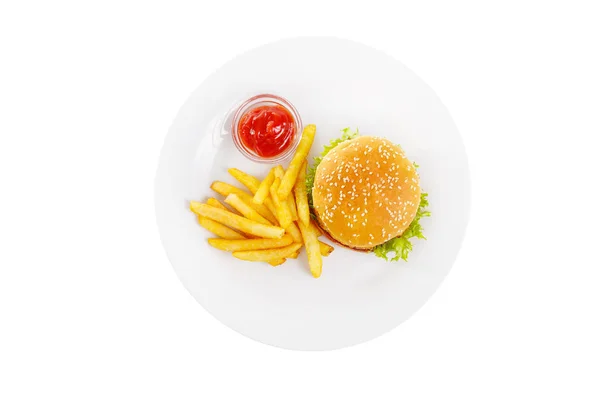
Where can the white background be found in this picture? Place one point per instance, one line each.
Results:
(89, 305)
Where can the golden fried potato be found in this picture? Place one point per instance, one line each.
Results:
(323, 247)
(225, 189)
(250, 244)
(276, 263)
(293, 210)
(295, 255)
(301, 195)
(279, 172)
(267, 255)
(313, 250)
(251, 182)
(313, 226)
(291, 174)
(294, 232)
(219, 229)
(263, 189)
(238, 222)
(216, 203)
(246, 210)
(283, 211)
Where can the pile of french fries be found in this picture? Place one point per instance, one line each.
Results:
(270, 221)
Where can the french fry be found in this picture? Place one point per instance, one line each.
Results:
(215, 203)
(295, 255)
(194, 204)
(245, 179)
(301, 195)
(279, 171)
(276, 263)
(211, 202)
(267, 255)
(250, 244)
(287, 209)
(323, 247)
(251, 183)
(294, 232)
(262, 209)
(263, 189)
(291, 174)
(313, 250)
(283, 210)
(292, 229)
(315, 228)
(292, 204)
(218, 229)
(271, 207)
(225, 189)
(246, 210)
(268, 203)
(237, 222)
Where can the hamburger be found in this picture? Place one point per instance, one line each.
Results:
(365, 195)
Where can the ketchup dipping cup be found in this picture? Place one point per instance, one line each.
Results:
(266, 128)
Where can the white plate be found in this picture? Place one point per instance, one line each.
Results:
(334, 84)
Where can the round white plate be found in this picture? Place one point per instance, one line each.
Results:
(334, 84)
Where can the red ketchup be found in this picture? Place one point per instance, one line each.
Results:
(267, 131)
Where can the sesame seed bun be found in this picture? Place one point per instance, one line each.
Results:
(365, 192)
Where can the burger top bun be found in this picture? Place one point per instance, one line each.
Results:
(365, 192)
